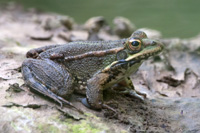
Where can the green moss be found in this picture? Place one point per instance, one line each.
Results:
(83, 127)
(48, 128)
(14, 126)
(92, 124)
(123, 131)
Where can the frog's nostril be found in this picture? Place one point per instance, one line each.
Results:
(154, 43)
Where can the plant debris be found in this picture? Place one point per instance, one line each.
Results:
(14, 88)
(33, 106)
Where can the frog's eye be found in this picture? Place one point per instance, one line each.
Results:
(134, 44)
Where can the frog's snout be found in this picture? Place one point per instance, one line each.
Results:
(149, 42)
(159, 44)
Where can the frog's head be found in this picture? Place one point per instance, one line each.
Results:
(136, 49)
(139, 47)
(128, 58)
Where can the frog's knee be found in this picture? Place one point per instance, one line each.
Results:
(27, 62)
(26, 72)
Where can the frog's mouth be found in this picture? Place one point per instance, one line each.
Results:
(139, 57)
(145, 53)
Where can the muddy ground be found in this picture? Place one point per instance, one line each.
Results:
(170, 80)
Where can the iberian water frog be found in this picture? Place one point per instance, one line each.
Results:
(89, 67)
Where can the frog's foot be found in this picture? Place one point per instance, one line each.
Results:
(134, 93)
(126, 87)
(85, 103)
(105, 106)
(49, 79)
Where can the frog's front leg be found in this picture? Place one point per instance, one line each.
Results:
(130, 89)
(94, 92)
(48, 78)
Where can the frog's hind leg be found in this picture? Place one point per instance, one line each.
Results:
(48, 78)
(130, 89)
(34, 53)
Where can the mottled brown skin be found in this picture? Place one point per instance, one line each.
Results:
(87, 67)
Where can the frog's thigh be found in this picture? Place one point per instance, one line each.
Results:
(48, 78)
(129, 89)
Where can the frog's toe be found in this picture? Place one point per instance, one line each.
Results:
(135, 94)
(105, 106)
(85, 103)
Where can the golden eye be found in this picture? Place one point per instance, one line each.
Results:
(134, 44)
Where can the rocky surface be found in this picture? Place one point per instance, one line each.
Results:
(170, 80)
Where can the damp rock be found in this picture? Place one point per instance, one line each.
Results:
(74, 36)
(57, 21)
(123, 27)
(41, 35)
(95, 23)
(67, 21)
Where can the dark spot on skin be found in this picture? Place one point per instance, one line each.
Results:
(88, 75)
(100, 61)
(125, 66)
(111, 76)
(75, 78)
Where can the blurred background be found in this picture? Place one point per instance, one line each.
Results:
(177, 18)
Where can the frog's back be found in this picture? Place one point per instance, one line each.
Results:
(87, 66)
(80, 47)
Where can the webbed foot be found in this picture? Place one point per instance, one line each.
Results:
(85, 103)
(126, 87)
(135, 94)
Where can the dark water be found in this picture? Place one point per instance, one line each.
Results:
(174, 18)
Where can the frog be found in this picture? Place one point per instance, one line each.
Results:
(88, 67)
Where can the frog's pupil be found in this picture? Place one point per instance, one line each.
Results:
(135, 43)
